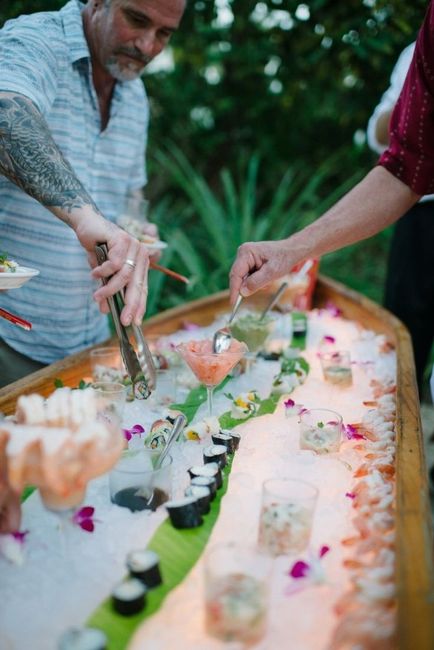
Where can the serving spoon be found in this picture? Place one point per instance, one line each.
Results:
(274, 300)
(222, 338)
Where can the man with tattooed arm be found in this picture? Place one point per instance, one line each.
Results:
(73, 124)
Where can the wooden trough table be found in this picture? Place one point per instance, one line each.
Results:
(415, 565)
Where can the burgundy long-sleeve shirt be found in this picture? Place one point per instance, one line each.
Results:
(410, 156)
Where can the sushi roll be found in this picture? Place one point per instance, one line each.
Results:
(208, 482)
(224, 439)
(215, 454)
(210, 469)
(158, 435)
(144, 565)
(236, 437)
(129, 597)
(83, 638)
(203, 495)
(184, 513)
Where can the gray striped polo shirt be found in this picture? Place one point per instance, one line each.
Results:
(45, 57)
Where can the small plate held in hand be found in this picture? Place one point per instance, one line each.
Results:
(16, 279)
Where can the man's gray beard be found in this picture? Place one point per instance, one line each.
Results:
(127, 72)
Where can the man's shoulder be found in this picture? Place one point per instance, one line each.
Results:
(41, 27)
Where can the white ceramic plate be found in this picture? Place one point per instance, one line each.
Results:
(157, 245)
(15, 280)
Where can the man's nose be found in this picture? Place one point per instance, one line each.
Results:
(147, 43)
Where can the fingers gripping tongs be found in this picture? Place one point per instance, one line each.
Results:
(140, 366)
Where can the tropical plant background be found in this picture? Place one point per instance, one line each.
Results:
(258, 125)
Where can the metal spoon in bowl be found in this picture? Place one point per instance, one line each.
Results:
(222, 338)
(178, 425)
(147, 491)
(274, 299)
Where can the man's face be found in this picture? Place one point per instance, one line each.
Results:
(128, 34)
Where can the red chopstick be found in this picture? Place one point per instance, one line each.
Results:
(16, 320)
(169, 272)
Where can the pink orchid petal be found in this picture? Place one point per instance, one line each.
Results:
(137, 428)
(351, 433)
(328, 339)
(127, 434)
(87, 525)
(289, 403)
(350, 495)
(190, 327)
(20, 536)
(323, 550)
(303, 410)
(86, 512)
(333, 310)
(299, 570)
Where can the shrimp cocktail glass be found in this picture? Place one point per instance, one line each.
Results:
(209, 367)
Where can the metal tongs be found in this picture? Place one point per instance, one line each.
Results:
(139, 365)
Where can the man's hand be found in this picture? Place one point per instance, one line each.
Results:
(127, 265)
(257, 264)
(10, 510)
(31, 159)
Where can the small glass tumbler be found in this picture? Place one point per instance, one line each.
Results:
(111, 398)
(136, 484)
(134, 216)
(287, 510)
(106, 364)
(166, 387)
(321, 430)
(336, 368)
(236, 593)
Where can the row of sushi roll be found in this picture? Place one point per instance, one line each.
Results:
(129, 596)
(368, 611)
(205, 480)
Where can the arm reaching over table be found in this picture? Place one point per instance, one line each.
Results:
(30, 158)
(404, 174)
(376, 202)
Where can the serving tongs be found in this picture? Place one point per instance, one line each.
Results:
(139, 366)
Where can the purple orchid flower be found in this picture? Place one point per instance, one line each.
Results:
(189, 326)
(333, 310)
(136, 429)
(352, 434)
(328, 339)
(20, 536)
(291, 408)
(84, 518)
(312, 571)
(350, 495)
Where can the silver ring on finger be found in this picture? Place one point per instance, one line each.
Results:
(130, 263)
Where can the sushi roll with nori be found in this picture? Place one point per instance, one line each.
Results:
(208, 482)
(129, 597)
(224, 439)
(210, 469)
(215, 454)
(203, 495)
(184, 513)
(144, 565)
(236, 437)
(83, 638)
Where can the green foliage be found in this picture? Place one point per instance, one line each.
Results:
(210, 223)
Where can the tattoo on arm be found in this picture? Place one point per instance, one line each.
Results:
(30, 158)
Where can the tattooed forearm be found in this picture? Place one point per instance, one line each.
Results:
(30, 158)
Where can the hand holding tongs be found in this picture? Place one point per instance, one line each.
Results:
(140, 366)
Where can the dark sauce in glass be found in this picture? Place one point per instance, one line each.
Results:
(128, 498)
